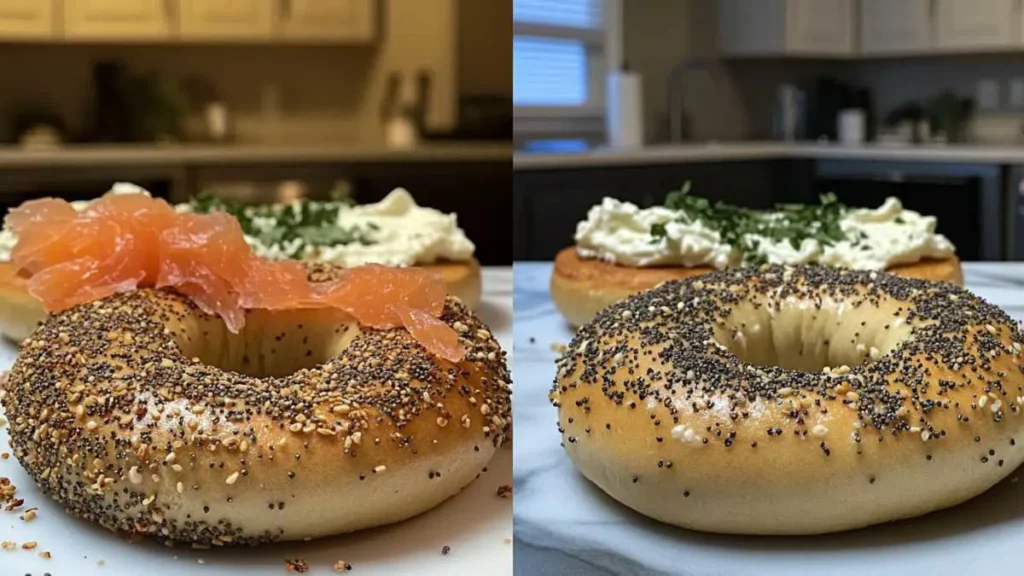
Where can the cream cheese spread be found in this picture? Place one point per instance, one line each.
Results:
(871, 239)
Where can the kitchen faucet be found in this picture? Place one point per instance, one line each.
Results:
(675, 93)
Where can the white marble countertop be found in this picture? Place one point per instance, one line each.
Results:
(565, 525)
(769, 150)
(99, 155)
(476, 523)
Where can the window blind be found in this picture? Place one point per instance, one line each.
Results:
(557, 57)
(548, 72)
(567, 13)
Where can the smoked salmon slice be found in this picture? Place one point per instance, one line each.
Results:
(124, 242)
(9, 276)
(374, 294)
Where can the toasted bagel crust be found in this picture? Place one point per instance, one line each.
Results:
(582, 287)
(462, 279)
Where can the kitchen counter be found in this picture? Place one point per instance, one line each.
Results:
(97, 155)
(565, 525)
(768, 150)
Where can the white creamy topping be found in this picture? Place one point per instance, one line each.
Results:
(620, 233)
(7, 241)
(402, 232)
(891, 235)
(128, 188)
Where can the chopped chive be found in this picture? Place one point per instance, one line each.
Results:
(737, 227)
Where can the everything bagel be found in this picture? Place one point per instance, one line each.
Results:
(146, 415)
(803, 400)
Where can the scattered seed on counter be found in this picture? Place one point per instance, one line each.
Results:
(504, 491)
(342, 566)
(7, 490)
(297, 565)
(445, 550)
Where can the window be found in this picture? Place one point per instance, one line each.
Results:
(560, 54)
(549, 72)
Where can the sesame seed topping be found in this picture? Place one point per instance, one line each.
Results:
(154, 406)
(685, 357)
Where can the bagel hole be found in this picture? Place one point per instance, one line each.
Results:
(809, 336)
(271, 344)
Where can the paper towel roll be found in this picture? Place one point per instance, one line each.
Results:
(625, 118)
(852, 126)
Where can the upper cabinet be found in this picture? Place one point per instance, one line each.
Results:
(276, 21)
(820, 27)
(118, 19)
(895, 26)
(328, 20)
(750, 28)
(978, 24)
(787, 27)
(843, 28)
(27, 19)
(226, 19)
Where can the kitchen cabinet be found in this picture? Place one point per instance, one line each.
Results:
(27, 19)
(749, 28)
(327, 20)
(787, 27)
(118, 19)
(226, 19)
(895, 26)
(979, 24)
(820, 27)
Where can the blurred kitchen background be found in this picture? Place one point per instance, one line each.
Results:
(262, 100)
(765, 101)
